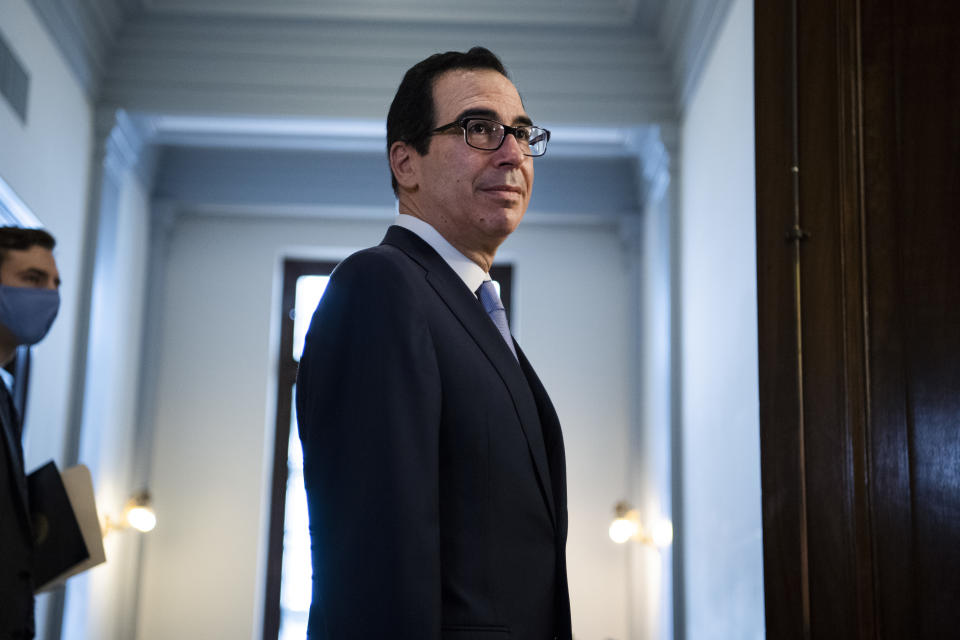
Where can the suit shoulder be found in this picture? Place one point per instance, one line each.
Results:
(369, 300)
(380, 280)
(382, 262)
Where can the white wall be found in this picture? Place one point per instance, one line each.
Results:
(99, 603)
(47, 163)
(723, 576)
(214, 416)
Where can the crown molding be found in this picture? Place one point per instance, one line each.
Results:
(687, 32)
(629, 61)
(14, 211)
(350, 135)
(531, 13)
(243, 67)
(84, 32)
(124, 144)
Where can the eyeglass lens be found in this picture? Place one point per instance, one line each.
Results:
(488, 134)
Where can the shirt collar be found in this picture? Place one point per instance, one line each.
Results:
(469, 271)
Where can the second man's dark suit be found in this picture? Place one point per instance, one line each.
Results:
(433, 462)
(16, 531)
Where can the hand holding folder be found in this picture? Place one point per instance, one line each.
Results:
(65, 523)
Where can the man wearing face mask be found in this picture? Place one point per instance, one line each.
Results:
(29, 300)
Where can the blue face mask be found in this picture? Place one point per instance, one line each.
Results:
(28, 312)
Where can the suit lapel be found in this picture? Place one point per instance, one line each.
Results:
(465, 306)
(553, 440)
(11, 434)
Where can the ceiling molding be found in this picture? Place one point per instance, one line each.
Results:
(274, 212)
(351, 135)
(85, 32)
(13, 210)
(125, 145)
(646, 14)
(311, 69)
(532, 14)
(582, 62)
(687, 32)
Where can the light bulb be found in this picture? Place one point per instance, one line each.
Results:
(142, 518)
(622, 530)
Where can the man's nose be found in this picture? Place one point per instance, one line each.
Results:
(510, 150)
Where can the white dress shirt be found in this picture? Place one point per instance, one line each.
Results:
(469, 271)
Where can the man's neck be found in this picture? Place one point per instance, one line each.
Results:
(482, 257)
(469, 271)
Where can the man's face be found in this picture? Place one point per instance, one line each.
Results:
(33, 267)
(474, 198)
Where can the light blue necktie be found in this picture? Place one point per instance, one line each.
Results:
(491, 302)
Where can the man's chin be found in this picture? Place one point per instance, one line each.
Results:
(505, 220)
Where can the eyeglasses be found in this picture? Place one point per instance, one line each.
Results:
(488, 135)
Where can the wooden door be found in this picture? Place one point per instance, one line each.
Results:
(858, 241)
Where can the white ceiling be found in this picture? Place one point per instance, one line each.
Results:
(604, 65)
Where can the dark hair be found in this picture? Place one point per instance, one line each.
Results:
(411, 114)
(21, 239)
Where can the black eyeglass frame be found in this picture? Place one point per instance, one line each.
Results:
(507, 130)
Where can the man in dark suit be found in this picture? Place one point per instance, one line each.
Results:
(433, 458)
(29, 301)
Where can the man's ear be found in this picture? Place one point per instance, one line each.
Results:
(403, 162)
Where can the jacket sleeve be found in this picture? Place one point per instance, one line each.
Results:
(368, 405)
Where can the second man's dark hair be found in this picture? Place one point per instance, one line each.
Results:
(22, 238)
(412, 111)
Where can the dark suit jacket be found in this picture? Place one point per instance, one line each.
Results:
(16, 532)
(433, 462)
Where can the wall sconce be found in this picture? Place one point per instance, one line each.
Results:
(137, 514)
(627, 526)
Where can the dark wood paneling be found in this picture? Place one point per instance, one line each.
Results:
(828, 471)
(781, 437)
(889, 439)
(859, 316)
(911, 65)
